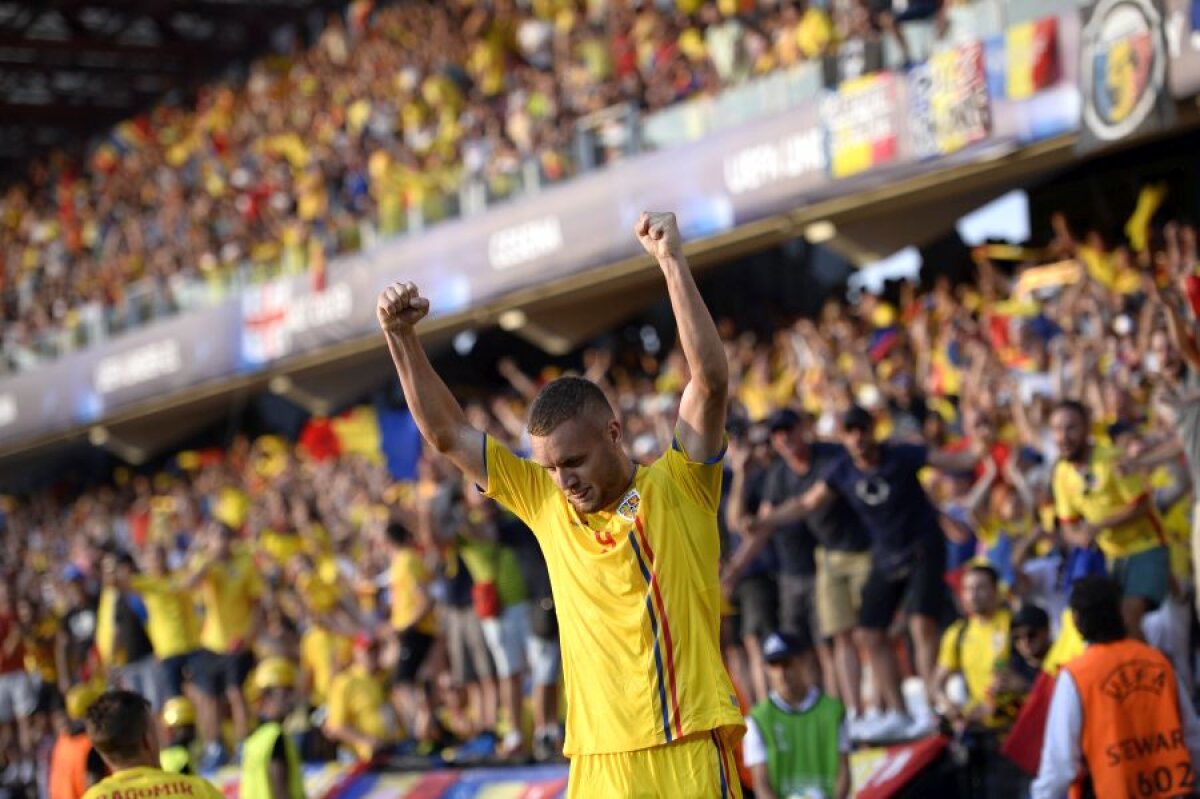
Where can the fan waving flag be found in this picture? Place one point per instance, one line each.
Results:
(1024, 743)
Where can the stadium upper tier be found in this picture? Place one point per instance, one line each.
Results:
(393, 120)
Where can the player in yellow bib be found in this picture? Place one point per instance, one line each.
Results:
(123, 730)
(632, 551)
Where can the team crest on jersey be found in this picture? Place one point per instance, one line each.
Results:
(630, 505)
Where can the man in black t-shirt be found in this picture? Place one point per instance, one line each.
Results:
(880, 482)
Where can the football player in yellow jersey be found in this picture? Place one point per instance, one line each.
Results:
(1099, 505)
(122, 728)
(632, 551)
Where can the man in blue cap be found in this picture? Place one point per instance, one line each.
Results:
(796, 741)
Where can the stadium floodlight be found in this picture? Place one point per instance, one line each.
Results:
(1006, 218)
(903, 264)
(512, 319)
(464, 342)
(820, 232)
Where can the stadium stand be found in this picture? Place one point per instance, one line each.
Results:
(370, 132)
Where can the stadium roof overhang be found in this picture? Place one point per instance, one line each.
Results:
(72, 68)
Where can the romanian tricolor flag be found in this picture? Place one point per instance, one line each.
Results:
(945, 371)
(1030, 57)
(378, 433)
(1003, 321)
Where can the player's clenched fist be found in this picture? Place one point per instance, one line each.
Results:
(659, 234)
(400, 307)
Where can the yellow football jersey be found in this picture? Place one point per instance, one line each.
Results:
(638, 599)
(145, 781)
(1096, 491)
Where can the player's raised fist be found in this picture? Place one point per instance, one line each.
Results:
(400, 307)
(659, 234)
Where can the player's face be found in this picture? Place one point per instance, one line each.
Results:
(787, 678)
(1032, 644)
(790, 441)
(859, 442)
(1070, 433)
(584, 460)
(978, 593)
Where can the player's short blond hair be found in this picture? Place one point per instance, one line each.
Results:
(564, 399)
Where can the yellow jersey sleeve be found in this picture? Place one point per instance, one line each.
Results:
(700, 482)
(516, 483)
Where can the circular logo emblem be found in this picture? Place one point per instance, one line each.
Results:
(873, 491)
(1123, 67)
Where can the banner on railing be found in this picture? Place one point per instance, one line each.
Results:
(948, 102)
(1123, 72)
(862, 124)
(338, 780)
(881, 773)
(1032, 79)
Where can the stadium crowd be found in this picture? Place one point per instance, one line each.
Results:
(1038, 424)
(322, 149)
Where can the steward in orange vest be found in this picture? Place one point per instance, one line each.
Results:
(74, 765)
(1131, 738)
(1135, 738)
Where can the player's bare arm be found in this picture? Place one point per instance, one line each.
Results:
(439, 417)
(701, 427)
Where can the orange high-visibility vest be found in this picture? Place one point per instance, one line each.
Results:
(68, 766)
(1132, 737)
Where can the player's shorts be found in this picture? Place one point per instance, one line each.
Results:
(699, 766)
(841, 577)
(917, 585)
(1146, 574)
(215, 673)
